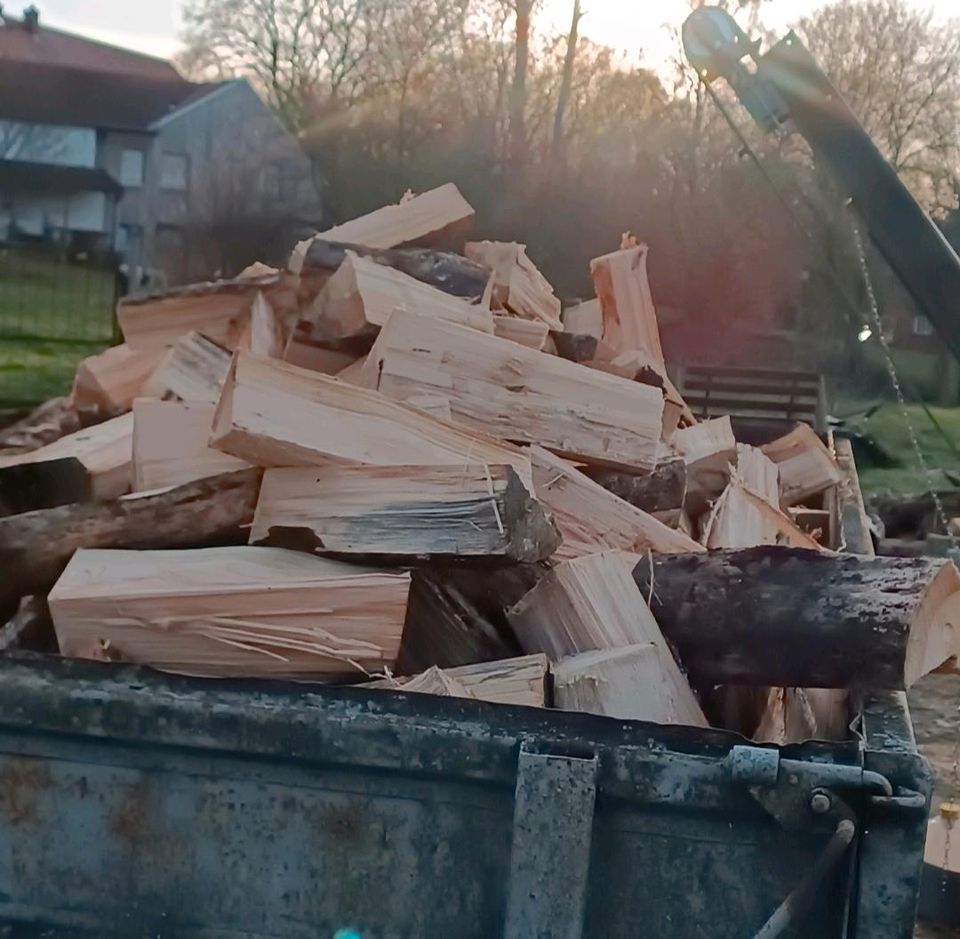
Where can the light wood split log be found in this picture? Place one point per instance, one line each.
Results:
(193, 370)
(518, 394)
(591, 519)
(111, 380)
(274, 414)
(171, 444)
(258, 612)
(404, 512)
(530, 333)
(421, 220)
(807, 467)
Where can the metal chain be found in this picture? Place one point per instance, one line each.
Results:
(898, 390)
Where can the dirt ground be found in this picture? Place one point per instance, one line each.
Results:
(935, 708)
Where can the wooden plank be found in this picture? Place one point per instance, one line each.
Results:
(519, 394)
(250, 612)
(629, 316)
(274, 414)
(530, 333)
(193, 370)
(628, 683)
(171, 444)
(735, 617)
(518, 681)
(591, 519)
(112, 379)
(359, 298)
(105, 450)
(807, 467)
(404, 512)
(517, 284)
(35, 546)
(217, 310)
(422, 219)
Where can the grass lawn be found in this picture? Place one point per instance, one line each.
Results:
(52, 315)
(888, 428)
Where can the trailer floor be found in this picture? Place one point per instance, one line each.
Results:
(935, 708)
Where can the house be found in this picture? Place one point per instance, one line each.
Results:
(106, 150)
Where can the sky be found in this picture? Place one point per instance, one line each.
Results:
(152, 26)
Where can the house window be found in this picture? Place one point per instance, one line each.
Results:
(131, 168)
(173, 172)
(270, 182)
(922, 326)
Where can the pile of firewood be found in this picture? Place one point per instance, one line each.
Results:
(414, 469)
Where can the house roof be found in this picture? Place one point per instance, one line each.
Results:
(41, 45)
(43, 94)
(18, 176)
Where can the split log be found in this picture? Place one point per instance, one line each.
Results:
(437, 405)
(530, 333)
(660, 491)
(450, 273)
(193, 370)
(520, 681)
(742, 519)
(759, 474)
(584, 319)
(803, 619)
(787, 718)
(593, 603)
(171, 445)
(274, 414)
(517, 285)
(264, 333)
(245, 612)
(630, 683)
(519, 394)
(359, 299)
(592, 519)
(111, 380)
(44, 425)
(353, 374)
(218, 310)
(708, 449)
(629, 317)
(421, 220)
(807, 467)
(104, 450)
(437, 682)
(35, 546)
(403, 512)
(325, 361)
(457, 615)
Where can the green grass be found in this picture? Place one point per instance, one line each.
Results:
(889, 429)
(52, 315)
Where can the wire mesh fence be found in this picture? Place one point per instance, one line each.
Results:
(55, 309)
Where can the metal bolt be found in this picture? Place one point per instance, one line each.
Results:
(820, 803)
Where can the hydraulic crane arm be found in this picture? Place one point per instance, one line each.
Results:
(786, 84)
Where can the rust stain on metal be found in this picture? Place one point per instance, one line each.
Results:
(130, 821)
(23, 783)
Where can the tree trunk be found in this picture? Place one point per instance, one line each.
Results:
(35, 547)
(518, 93)
(794, 618)
(566, 84)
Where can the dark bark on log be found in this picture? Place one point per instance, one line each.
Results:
(788, 617)
(30, 628)
(456, 616)
(574, 346)
(36, 546)
(26, 487)
(659, 491)
(447, 272)
(913, 516)
(45, 424)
